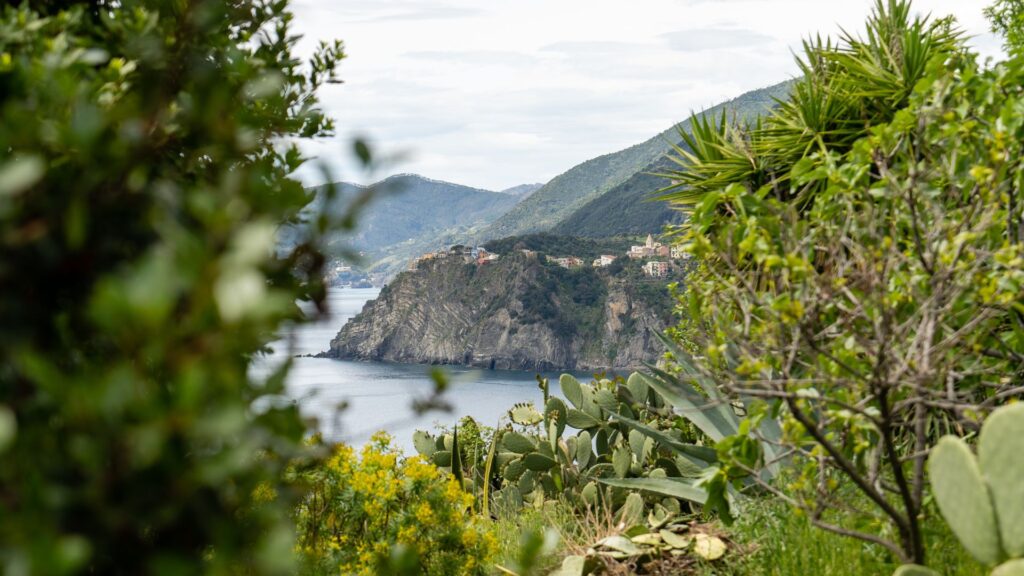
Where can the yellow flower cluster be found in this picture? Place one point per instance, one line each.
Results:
(365, 509)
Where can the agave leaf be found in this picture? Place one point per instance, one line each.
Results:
(694, 408)
(485, 497)
(674, 487)
(457, 457)
(704, 454)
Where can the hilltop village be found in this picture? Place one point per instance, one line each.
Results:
(655, 255)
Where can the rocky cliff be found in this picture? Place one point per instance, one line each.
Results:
(517, 313)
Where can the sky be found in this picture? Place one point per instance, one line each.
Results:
(496, 93)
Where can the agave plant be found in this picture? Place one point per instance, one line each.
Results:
(697, 399)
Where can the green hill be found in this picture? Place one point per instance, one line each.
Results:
(604, 196)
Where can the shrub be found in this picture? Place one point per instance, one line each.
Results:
(146, 147)
(379, 512)
(867, 284)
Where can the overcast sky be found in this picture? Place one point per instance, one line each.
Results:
(495, 93)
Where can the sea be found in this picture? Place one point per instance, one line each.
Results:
(347, 401)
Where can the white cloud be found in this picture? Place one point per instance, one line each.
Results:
(496, 93)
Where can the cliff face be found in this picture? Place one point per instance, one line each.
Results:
(515, 313)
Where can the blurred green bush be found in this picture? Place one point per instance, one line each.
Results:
(145, 153)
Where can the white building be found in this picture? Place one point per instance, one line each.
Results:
(656, 269)
(603, 260)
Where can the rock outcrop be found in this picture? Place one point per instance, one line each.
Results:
(516, 313)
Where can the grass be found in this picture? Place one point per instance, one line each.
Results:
(769, 539)
(779, 542)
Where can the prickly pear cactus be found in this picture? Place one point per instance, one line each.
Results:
(982, 498)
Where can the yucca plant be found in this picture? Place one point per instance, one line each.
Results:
(844, 89)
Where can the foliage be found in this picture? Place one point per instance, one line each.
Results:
(1007, 18)
(861, 263)
(381, 513)
(146, 152)
(981, 497)
(645, 546)
(746, 449)
(777, 542)
(533, 464)
(556, 245)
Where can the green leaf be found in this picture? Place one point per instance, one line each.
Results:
(424, 443)
(442, 458)
(20, 173)
(571, 566)
(583, 449)
(964, 499)
(674, 540)
(674, 487)
(632, 511)
(1000, 449)
(621, 460)
(516, 442)
(538, 462)
(572, 390)
(582, 420)
(525, 414)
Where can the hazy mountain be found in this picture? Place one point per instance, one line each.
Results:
(410, 214)
(523, 190)
(554, 206)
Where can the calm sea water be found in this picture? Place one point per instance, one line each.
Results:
(379, 395)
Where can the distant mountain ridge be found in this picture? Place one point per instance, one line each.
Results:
(604, 196)
(607, 196)
(523, 190)
(409, 214)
